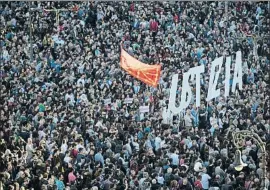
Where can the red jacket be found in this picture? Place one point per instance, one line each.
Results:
(132, 7)
(176, 18)
(74, 153)
(198, 184)
(154, 26)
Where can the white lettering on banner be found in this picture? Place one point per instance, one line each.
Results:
(186, 93)
(173, 90)
(196, 71)
(227, 75)
(213, 92)
(237, 77)
(144, 109)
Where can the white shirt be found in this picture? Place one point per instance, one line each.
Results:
(29, 149)
(221, 24)
(69, 96)
(83, 97)
(81, 80)
(143, 24)
(190, 36)
(175, 159)
(167, 116)
(55, 119)
(205, 181)
(213, 121)
(99, 124)
(64, 148)
(162, 144)
(160, 180)
(50, 145)
(80, 146)
(41, 134)
(128, 148)
(136, 145)
(188, 121)
(232, 28)
(157, 143)
(6, 55)
(67, 159)
(198, 166)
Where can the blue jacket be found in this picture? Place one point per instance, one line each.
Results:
(99, 158)
(60, 185)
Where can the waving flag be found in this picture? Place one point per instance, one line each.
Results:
(149, 74)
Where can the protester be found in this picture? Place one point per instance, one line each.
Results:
(65, 119)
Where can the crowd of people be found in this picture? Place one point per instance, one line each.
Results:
(66, 124)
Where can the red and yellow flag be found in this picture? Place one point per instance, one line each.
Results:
(148, 74)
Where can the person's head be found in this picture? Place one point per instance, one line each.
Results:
(185, 181)
(204, 169)
(44, 187)
(45, 176)
(242, 175)
(219, 163)
(61, 177)
(29, 141)
(202, 106)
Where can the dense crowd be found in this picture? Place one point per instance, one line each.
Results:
(59, 131)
